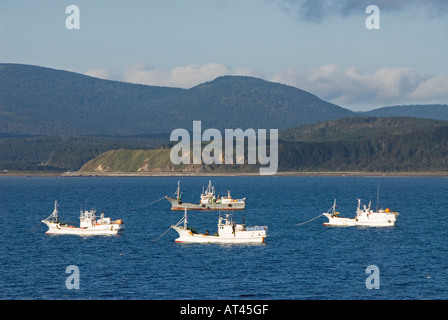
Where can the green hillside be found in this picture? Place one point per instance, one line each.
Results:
(141, 161)
(362, 145)
(130, 161)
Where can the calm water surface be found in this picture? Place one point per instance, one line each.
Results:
(309, 261)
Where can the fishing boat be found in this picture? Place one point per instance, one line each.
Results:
(89, 224)
(208, 201)
(228, 232)
(365, 216)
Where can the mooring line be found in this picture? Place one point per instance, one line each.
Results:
(146, 205)
(35, 227)
(160, 237)
(298, 224)
(178, 223)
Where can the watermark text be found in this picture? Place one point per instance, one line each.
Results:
(234, 140)
(72, 281)
(73, 20)
(373, 280)
(373, 21)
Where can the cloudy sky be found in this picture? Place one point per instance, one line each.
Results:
(321, 46)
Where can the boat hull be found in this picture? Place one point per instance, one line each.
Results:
(179, 205)
(252, 236)
(386, 220)
(338, 222)
(57, 228)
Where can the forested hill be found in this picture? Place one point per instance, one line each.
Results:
(42, 101)
(366, 145)
(357, 144)
(356, 129)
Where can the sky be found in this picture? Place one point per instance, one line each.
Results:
(321, 46)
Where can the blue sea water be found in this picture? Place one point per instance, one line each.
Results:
(308, 261)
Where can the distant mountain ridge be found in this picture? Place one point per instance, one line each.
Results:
(42, 101)
(426, 111)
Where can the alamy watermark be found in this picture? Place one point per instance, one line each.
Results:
(72, 281)
(373, 21)
(73, 20)
(373, 280)
(234, 140)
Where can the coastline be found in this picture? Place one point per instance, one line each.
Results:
(226, 174)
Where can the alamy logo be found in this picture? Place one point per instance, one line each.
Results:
(73, 20)
(373, 280)
(72, 281)
(213, 152)
(373, 21)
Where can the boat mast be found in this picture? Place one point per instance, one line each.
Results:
(185, 220)
(178, 189)
(54, 215)
(55, 211)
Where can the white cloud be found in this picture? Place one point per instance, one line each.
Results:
(433, 87)
(354, 89)
(350, 87)
(181, 77)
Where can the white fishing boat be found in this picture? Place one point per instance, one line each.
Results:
(228, 232)
(208, 201)
(365, 216)
(89, 224)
